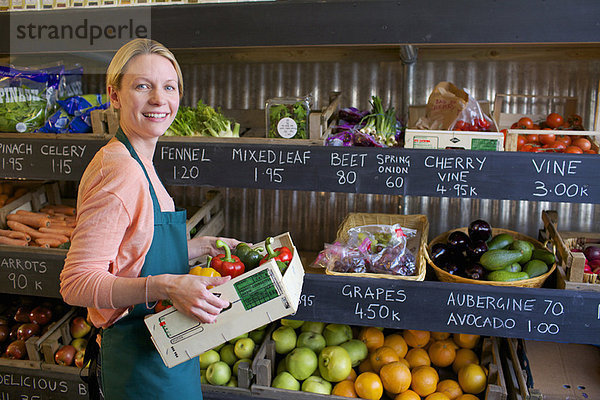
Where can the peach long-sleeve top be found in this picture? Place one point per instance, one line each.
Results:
(114, 230)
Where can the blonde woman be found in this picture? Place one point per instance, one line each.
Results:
(129, 248)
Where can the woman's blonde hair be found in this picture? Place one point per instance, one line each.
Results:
(132, 49)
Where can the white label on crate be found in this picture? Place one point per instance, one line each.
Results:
(287, 127)
(21, 127)
(425, 142)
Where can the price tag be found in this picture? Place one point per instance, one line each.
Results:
(31, 273)
(556, 179)
(35, 384)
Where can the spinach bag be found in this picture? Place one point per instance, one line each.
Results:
(26, 97)
(71, 84)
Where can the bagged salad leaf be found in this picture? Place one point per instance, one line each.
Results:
(71, 83)
(75, 114)
(26, 97)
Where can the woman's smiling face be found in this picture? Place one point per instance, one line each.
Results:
(149, 96)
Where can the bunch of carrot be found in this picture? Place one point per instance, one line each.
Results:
(50, 227)
(10, 192)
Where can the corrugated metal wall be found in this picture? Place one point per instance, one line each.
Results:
(312, 217)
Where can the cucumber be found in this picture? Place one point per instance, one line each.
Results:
(514, 267)
(500, 241)
(506, 276)
(499, 259)
(536, 268)
(543, 255)
(525, 247)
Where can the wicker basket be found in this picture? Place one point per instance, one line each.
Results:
(417, 244)
(444, 276)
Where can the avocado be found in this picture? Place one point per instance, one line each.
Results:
(543, 255)
(514, 267)
(525, 247)
(499, 259)
(536, 268)
(506, 276)
(500, 241)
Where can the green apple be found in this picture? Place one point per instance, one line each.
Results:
(334, 363)
(257, 335)
(292, 323)
(232, 382)
(203, 377)
(314, 341)
(281, 367)
(285, 380)
(301, 362)
(315, 384)
(337, 334)
(313, 326)
(209, 357)
(357, 349)
(285, 339)
(237, 365)
(228, 355)
(244, 348)
(235, 339)
(219, 347)
(218, 373)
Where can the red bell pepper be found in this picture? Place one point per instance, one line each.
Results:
(282, 254)
(226, 264)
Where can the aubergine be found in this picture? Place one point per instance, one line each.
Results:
(476, 249)
(480, 230)
(475, 271)
(458, 241)
(439, 253)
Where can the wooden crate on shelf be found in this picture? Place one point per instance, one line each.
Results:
(105, 122)
(564, 105)
(571, 273)
(536, 370)
(38, 194)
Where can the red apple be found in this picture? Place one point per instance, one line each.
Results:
(16, 350)
(79, 327)
(28, 330)
(4, 333)
(40, 315)
(79, 358)
(12, 336)
(79, 343)
(65, 355)
(22, 314)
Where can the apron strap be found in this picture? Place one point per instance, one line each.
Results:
(123, 139)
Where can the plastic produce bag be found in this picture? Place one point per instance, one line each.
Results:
(75, 114)
(445, 103)
(471, 118)
(71, 83)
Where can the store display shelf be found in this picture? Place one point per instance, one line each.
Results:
(233, 163)
(284, 23)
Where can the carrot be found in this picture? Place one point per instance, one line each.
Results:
(57, 224)
(57, 217)
(60, 208)
(17, 226)
(33, 213)
(15, 234)
(48, 242)
(35, 221)
(58, 231)
(12, 242)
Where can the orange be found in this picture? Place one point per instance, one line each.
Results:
(344, 389)
(396, 342)
(440, 335)
(416, 338)
(403, 361)
(372, 337)
(464, 357)
(396, 377)
(351, 376)
(382, 356)
(368, 386)
(465, 340)
(442, 353)
(424, 380)
(450, 388)
(417, 357)
(365, 366)
(467, 397)
(408, 395)
(437, 396)
(472, 379)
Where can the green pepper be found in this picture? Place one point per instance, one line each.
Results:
(249, 256)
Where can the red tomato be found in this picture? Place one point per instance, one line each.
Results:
(583, 144)
(559, 146)
(525, 123)
(574, 150)
(547, 138)
(554, 120)
(575, 120)
(515, 126)
(590, 152)
(566, 139)
(536, 127)
(520, 140)
(482, 123)
(459, 125)
(527, 147)
(532, 138)
(538, 149)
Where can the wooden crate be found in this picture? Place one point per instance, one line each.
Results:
(264, 367)
(570, 271)
(550, 371)
(105, 122)
(38, 193)
(564, 105)
(209, 218)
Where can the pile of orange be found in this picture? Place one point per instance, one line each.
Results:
(406, 365)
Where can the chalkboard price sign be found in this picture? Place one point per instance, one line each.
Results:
(33, 272)
(35, 384)
(543, 314)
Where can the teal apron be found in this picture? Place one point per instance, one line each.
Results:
(131, 366)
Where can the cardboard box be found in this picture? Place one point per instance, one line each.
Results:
(257, 297)
(442, 139)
